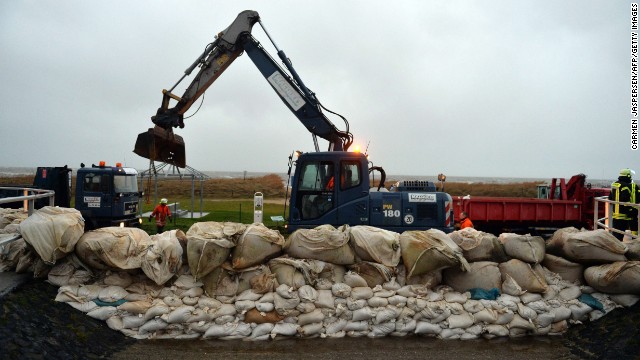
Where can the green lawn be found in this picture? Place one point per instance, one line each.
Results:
(240, 210)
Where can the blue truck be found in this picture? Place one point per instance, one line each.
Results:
(104, 195)
(328, 187)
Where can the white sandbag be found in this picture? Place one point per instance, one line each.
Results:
(430, 250)
(284, 329)
(528, 277)
(381, 330)
(61, 273)
(486, 316)
(568, 270)
(497, 330)
(113, 248)
(53, 232)
(256, 245)
(376, 302)
(622, 277)
(156, 311)
(362, 293)
(626, 300)
(220, 282)
(569, 293)
(316, 316)
(386, 314)
(102, 312)
(462, 321)
(365, 313)
(373, 273)
(530, 249)
(208, 246)
(354, 280)
(595, 246)
(482, 274)
(311, 330)
(324, 243)
(376, 245)
(325, 300)
(112, 294)
(163, 258)
(580, 311)
(294, 272)
(427, 328)
(136, 307)
(132, 322)
(560, 313)
(510, 286)
(479, 246)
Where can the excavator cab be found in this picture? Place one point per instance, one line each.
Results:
(158, 144)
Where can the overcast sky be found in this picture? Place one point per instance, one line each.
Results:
(466, 88)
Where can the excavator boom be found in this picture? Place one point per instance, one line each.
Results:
(161, 144)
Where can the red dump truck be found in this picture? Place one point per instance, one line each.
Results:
(558, 205)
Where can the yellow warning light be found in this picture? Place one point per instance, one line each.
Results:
(102, 163)
(356, 149)
(118, 164)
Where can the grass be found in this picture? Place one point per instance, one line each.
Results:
(235, 210)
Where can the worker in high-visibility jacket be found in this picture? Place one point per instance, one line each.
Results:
(625, 217)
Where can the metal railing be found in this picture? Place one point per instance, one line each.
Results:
(29, 198)
(607, 221)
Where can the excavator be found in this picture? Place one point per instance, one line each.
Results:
(328, 187)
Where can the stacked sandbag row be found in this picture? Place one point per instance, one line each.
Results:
(355, 281)
(494, 287)
(10, 220)
(142, 309)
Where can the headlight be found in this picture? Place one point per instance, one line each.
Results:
(122, 224)
(140, 221)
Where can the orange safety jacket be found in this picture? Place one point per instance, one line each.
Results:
(466, 223)
(161, 212)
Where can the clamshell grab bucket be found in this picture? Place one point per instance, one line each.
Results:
(158, 144)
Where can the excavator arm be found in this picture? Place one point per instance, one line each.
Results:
(160, 143)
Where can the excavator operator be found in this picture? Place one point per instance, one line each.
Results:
(625, 217)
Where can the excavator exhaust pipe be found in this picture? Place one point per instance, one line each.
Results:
(158, 144)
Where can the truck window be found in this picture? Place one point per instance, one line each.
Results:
(125, 183)
(91, 182)
(315, 176)
(315, 189)
(350, 174)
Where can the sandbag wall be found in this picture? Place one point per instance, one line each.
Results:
(237, 281)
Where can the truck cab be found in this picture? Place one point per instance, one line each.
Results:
(108, 196)
(333, 188)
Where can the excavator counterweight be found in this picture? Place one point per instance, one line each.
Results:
(158, 144)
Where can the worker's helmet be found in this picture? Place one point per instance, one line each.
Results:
(163, 201)
(625, 172)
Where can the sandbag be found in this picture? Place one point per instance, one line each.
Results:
(482, 274)
(324, 243)
(479, 246)
(257, 244)
(527, 248)
(113, 248)
(375, 244)
(209, 244)
(528, 277)
(53, 232)
(373, 273)
(567, 270)
(430, 250)
(621, 277)
(586, 247)
(163, 258)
